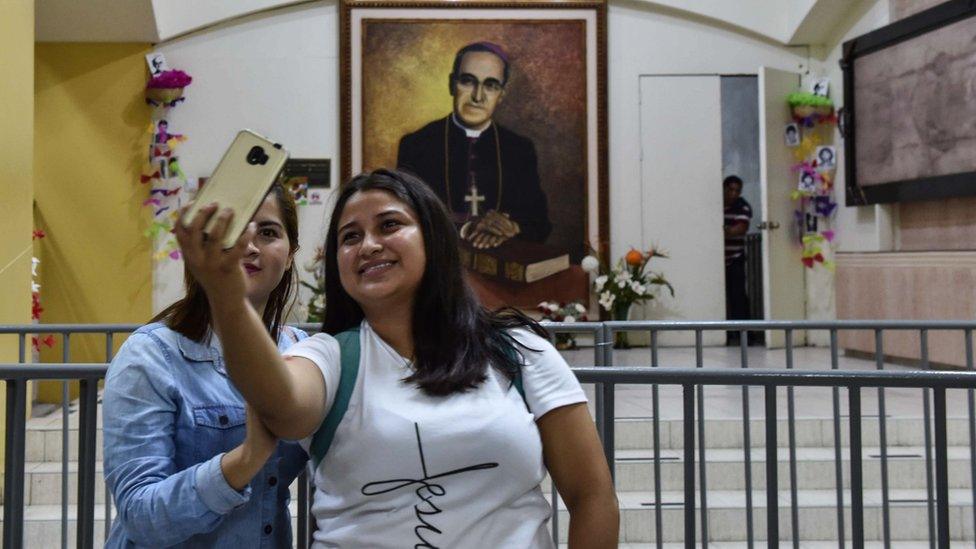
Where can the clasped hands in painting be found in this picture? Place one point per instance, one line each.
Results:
(490, 230)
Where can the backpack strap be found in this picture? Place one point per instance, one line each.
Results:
(349, 368)
(517, 380)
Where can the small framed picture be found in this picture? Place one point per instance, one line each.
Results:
(826, 158)
(807, 182)
(156, 62)
(306, 178)
(820, 86)
(792, 135)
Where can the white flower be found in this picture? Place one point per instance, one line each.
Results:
(599, 282)
(553, 307)
(319, 301)
(579, 308)
(621, 283)
(637, 287)
(35, 287)
(606, 300)
(590, 264)
(34, 263)
(569, 319)
(543, 305)
(624, 277)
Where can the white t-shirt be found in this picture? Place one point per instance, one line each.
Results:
(409, 470)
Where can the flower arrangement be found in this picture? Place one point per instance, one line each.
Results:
(316, 267)
(809, 108)
(563, 312)
(166, 88)
(628, 282)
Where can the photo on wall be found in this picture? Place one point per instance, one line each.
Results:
(506, 123)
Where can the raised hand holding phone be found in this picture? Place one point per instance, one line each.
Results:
(240, 182)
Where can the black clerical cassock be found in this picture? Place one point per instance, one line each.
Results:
(497, 170)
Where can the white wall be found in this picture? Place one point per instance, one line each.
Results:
(645, 41)
(275, 73)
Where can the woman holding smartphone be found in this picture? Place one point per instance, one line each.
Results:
(187, 462)
(436, 446)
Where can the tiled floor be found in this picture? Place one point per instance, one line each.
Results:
(726, 402)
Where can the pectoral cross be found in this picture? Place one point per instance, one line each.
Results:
(475, 199)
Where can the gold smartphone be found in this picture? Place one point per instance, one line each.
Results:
(242, 179)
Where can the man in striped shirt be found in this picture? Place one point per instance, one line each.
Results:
(738, 213)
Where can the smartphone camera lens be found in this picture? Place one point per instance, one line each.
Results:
(257, 156)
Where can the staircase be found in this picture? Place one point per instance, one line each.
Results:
(635, 483)
(815, 472)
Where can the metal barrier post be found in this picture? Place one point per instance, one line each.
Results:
(927, 418)
(942, 467)
(601, 356)
(607, 406)
(883, 439)
(857, 485)
(107, 523)
(791, 436)
(971, 401)
(746, 441)
(838, 463)
(13, 466)
(772, 464)
(87, 426)
(65, 397)
(688, 393)
(656, 422)
(702, 462)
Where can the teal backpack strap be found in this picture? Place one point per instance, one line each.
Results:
(519, 387)
(517, 380)
(349, 367)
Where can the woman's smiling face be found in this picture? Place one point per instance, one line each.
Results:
(380, 250)
(268, 254)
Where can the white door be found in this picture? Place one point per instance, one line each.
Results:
(681, 196)
(784, 290)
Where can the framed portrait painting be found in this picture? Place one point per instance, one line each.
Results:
(501, 109)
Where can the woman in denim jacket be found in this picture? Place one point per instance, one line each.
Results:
(186, 461)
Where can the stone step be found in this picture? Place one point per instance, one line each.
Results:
(638, 432)
(725, 469)
(744, 545)
(817, 516)
(635, 471)
(44, 438)
(42, 525)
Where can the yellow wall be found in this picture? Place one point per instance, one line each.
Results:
(89, 145)
(16, 179)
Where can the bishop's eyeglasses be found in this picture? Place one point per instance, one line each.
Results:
(469, 82)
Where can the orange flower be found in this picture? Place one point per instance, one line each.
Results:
(634, 258)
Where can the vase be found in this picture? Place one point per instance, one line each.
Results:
(804, 111)
(164, 95)
(621, 311)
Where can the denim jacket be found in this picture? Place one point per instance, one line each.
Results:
(170, 412)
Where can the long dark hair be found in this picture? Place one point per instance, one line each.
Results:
(454, 337)
(191, 317)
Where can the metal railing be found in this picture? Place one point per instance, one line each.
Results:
(605, 378)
